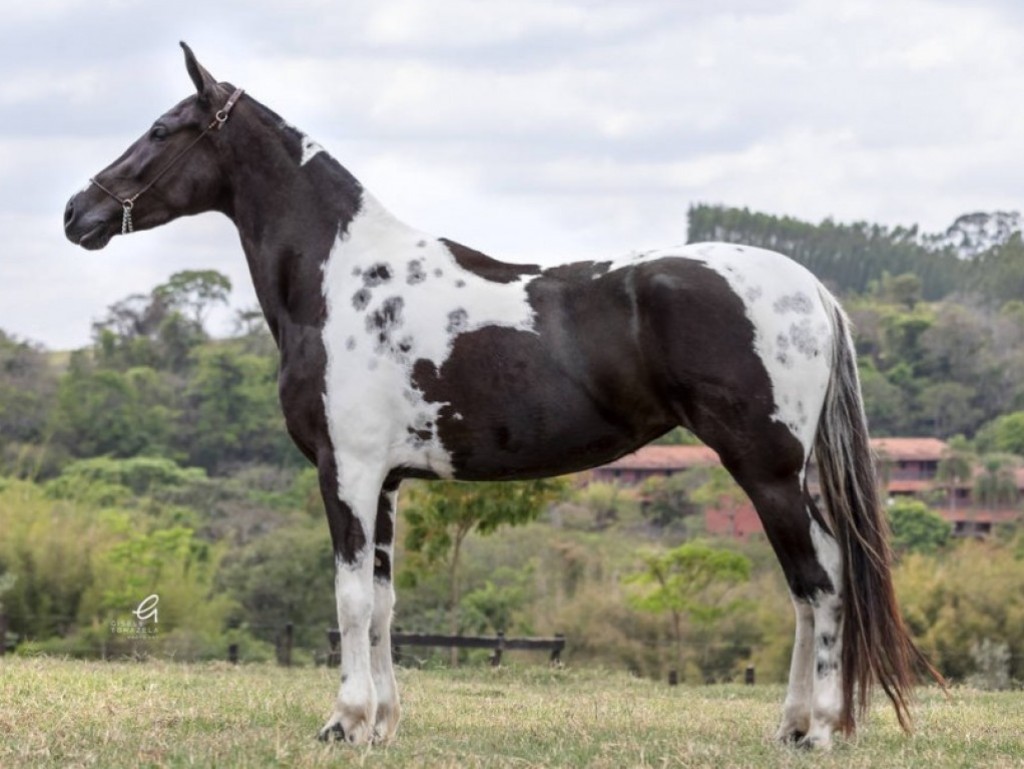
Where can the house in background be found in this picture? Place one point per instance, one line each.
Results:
(907, 467)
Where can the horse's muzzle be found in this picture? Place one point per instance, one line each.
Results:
(85, 225)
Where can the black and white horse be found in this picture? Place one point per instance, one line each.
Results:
(405, 355)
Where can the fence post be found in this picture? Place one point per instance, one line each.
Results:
(556, 653)
(748, 676)
(334, 643)
(286, 651)
(233, 654)
(673, 678)
(498, 649)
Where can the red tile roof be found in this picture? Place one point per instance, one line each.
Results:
(655, 457)
(665, 458)
(913, 449)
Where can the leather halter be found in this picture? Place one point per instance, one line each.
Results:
(128, 203)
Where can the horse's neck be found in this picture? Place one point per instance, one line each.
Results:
(293, 209)
(289, 207)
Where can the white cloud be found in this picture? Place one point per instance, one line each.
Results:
(526, 128)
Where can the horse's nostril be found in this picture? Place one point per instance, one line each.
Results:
(69, 212)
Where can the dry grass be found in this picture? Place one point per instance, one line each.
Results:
(75, 714)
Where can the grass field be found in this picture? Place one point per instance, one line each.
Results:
(58, 713)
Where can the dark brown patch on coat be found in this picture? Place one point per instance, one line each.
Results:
(487, 268)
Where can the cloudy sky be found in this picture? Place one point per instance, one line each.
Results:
(530, 129)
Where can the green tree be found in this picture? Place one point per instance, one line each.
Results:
(998, 274)
(669, 500)
(121, 414)
(961, 597)
(439, 517)
(678, 436)
(956, 468)
(284, 577)
(904, 289)
(947, 408)
(231, 410)
(162, 328)
(916, 528)
(105, 480)
(27, 386)
(494, 606)
(607, 502)
(194, 293)
(1003, 434)
(48, 546)
(885, 403)
(691, 581)
(852, 257)
(996, 485)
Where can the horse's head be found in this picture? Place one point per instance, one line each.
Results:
(174, 169)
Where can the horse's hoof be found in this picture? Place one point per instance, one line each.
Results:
(331, 731)
(811, 742)
(790, 737)
(356, 733)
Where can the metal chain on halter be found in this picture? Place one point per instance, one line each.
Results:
(127, 204)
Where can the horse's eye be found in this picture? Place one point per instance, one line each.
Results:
(158, 133)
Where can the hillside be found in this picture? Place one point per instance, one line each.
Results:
(849, 257)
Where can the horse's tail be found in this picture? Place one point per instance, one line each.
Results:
(876, 645)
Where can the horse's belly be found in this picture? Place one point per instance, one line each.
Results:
(521, 404)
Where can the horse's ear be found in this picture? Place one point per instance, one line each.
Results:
(203, 80)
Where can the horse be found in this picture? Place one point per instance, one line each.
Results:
(404, 355)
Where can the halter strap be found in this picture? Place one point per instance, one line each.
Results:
(128, 203)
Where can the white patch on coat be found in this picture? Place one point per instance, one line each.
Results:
(309, 149)
(792, 332)
(827, 551)
(374, 410)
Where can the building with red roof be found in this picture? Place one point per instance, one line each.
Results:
(907, 467)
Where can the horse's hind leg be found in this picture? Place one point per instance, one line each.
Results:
(810, 561)
(812, 709)
(796, 710)
(769, 463)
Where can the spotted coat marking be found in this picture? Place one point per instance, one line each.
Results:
(382, 416)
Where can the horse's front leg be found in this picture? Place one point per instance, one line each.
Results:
(383, 673)
(350, 498)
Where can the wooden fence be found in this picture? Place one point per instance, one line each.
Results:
(499, 644)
